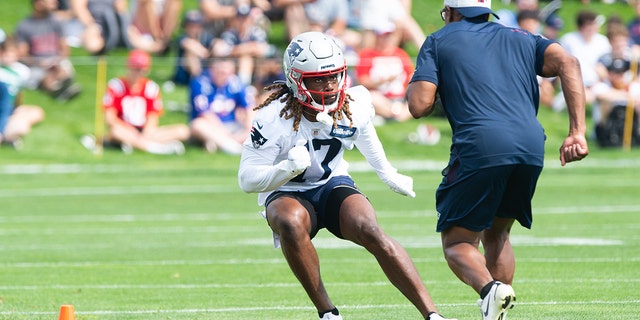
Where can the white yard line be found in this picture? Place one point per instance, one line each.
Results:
(305, 307)
(355, 166)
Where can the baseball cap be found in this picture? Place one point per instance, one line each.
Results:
(619, 65)
(243, 10)
(139, 59)
(471, 8)
(193, 16)
(554, 21)
(384, 27)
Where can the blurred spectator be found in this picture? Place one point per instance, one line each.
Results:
(100, 25)
(326, 16)
(612, 96)
(268, 71)
(133, 107)
(509, 18)
(621, 46)
(386, 70)
(244, 41)
(42, 47)
(553, 25)
(195, 46)
(634, 25)
(614, 71)
(529, 20)
(221, 108)
(154, 22)
(547, 15)
(292, 12)
(587, 45)
(375, 12)
(217, 14)
(16, 119)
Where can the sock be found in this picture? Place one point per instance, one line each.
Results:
(485, 290)
(333, 311)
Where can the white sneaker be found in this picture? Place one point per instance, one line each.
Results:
(436, 316)
(88, 141)
(178, 147)
(331, 316)
(500, 299)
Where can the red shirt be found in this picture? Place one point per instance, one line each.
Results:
(379, 65)
(133, 107)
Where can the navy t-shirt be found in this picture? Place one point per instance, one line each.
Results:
(486, 79)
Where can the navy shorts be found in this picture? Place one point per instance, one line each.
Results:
(472, 199)
(322, 203)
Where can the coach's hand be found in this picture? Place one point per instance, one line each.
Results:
(574, 148)
(399, 183)
(298, 158)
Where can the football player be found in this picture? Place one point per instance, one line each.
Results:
(294, 160)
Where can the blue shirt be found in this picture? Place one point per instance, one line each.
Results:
(222, 101)
(486, 79)
(6, 106)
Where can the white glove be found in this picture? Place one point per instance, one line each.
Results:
(298, 158)
(399, 183)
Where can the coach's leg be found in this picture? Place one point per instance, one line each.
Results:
(291, 221)
(358, 223)
(498, 251)
(461, 251)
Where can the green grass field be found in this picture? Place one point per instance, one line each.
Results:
(154, 237)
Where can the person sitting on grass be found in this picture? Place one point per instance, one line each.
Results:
(16, 119)
(132, 111)
(220, 108)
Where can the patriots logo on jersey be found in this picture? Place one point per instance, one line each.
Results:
(342, 131)
(293, 50)
(257, 139)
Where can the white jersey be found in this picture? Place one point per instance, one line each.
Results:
(272, 137)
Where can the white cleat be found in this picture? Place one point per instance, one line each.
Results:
(497, 303)
(436, 316)
(331, 316)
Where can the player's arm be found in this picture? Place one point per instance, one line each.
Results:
(558, 62)
(258, 173)
(371, 148)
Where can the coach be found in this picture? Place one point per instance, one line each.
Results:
(485, 75)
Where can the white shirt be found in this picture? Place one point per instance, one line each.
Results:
(272, 137)
(587, 53)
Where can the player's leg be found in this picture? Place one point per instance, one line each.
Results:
(294, 224)
(460, 247)
(500, 259)
(358, 223)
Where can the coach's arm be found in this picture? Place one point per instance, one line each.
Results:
(421, 97)
(558, 62)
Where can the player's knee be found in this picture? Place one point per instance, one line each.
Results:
(294, 224)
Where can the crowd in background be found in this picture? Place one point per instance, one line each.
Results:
(225, 58)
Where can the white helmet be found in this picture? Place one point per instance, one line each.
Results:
(314, 54)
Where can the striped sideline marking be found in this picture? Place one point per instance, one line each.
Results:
(355, 166)
(285, 285)
(285, 308)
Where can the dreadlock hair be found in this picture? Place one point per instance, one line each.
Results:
(294, 109)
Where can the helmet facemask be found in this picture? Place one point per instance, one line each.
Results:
(322, 105)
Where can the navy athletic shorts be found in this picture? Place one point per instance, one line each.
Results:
(323, 202)
(472, 199)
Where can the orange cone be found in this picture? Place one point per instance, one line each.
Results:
(66, 312)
